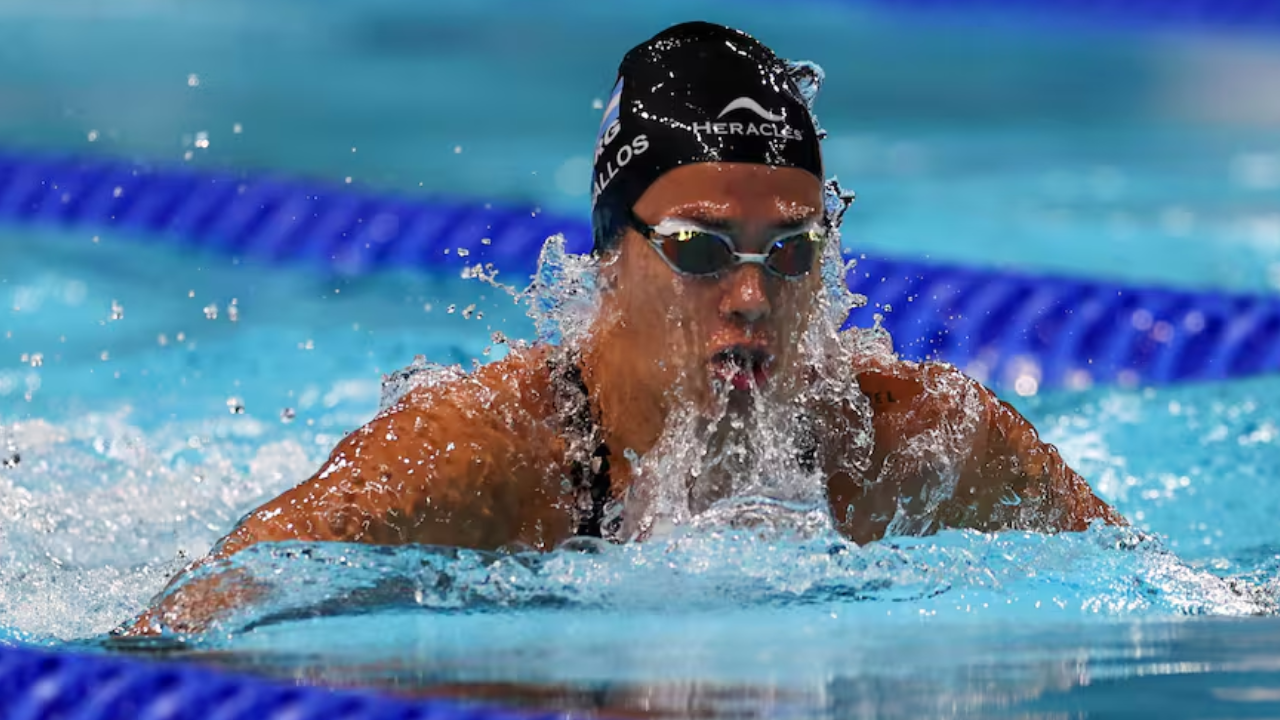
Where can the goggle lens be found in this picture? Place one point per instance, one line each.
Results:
(697, 252)
(794, 255)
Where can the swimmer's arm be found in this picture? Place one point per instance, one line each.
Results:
(436, 473)
(457, 466)
(1013, 466)
(1010, 477)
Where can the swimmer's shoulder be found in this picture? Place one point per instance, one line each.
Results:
(891, 384)
(520, 382)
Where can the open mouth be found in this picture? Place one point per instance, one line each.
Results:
(742, 367)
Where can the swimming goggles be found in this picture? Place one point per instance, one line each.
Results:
(703, 253)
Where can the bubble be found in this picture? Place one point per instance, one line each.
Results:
(235, 405)
(1026, 385)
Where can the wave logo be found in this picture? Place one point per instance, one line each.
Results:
(746, 103)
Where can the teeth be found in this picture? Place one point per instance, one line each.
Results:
(741, 360)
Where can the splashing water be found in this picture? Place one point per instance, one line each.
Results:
(100, 511)
(1116, 572)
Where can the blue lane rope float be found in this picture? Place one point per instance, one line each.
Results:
(1018, 332)
(41, 685)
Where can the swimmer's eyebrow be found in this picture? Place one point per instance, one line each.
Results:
(711, 220)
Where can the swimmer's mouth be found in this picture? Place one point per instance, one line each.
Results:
(742, 367)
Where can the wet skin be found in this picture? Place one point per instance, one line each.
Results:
(478, 462)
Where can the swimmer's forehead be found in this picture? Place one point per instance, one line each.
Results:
(726, 216)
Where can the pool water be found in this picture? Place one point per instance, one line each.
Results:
(151, 396)
(121, 479)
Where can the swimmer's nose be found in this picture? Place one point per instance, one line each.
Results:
(745, 300)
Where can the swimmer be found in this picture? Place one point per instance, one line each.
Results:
(711, 223)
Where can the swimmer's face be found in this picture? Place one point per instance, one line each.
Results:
(733, 332)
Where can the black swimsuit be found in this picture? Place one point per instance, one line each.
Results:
(589, 470)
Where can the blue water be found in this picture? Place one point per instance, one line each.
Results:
(140, 416)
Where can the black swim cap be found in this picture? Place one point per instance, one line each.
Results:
(697, 92)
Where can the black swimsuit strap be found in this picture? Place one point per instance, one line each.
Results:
(589, 455)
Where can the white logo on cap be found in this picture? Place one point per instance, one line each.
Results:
(746, 103)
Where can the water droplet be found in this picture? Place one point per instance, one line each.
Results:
(202, 139)
(451, 308)
(93, 136)
(287, 415)
(211, 311)
(193, 80)
(237, 129)
(235, 405)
